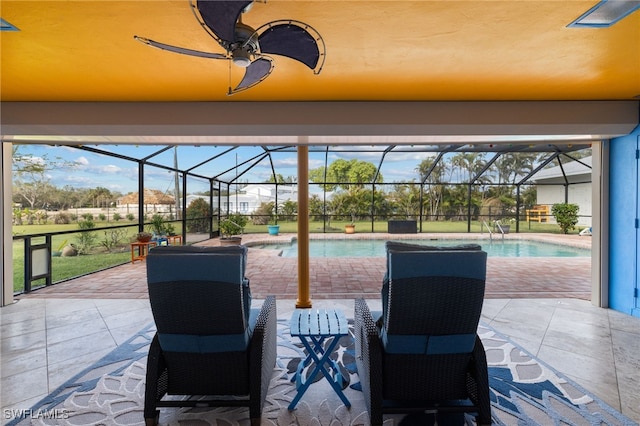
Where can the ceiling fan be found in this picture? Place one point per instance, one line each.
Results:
(247, 47)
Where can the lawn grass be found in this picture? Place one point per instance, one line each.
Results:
(63, 268)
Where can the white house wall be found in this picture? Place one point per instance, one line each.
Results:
(579, 194)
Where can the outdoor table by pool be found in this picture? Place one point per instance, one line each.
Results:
(143, 249)
(312, 327)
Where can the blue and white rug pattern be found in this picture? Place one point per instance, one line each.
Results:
(524, 391)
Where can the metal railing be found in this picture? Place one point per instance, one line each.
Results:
(497, 225)
(500, 229)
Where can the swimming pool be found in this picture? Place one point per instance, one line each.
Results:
(375, 248)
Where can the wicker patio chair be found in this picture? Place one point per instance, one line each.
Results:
(422, 353)
(210, 348)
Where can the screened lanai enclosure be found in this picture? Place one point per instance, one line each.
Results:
(101, 195)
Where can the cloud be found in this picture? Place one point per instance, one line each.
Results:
(82, 161)
(77, 179)
(292, 163)
(286, 162)
(109, 169)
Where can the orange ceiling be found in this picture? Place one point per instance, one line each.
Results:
(84, 50)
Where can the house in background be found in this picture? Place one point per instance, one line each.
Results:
(155, 201)
(248, 199)
(570, 183)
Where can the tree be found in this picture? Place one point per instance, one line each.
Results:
(316, 208)
(514, 165)
(405, 200)
(99, 197)
(31, 182)
(352, 204)
(469, 162)
(432, 174)
(288, 210)
(278, 178)
(35, 193)
(345, 174)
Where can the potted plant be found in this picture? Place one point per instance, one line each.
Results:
(350, 228)
(58, 252)
(231, 228)
(273, 229)
(502, 226)
(157, 226)
(69, 250)
(144, 237)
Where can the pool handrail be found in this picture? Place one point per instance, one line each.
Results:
(486, 225)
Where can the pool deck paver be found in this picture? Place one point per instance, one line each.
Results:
(351, 277)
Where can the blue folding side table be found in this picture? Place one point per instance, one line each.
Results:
(312, 327)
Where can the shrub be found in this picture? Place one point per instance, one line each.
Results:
(198, 219)
(87, 216)
(102, 217)
(233, 225)
(117, 217)
(86, 240)
(130, 217)
(113, 238)
(263, 214)
(62, 219)
(157, 224)
(566, 215)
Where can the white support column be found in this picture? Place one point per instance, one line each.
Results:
(600, 224)
(6, 261)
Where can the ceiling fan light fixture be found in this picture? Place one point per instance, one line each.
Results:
(241, 57)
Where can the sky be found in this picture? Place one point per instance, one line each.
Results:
(91, 170)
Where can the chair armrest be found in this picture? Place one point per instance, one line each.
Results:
(262, 357)
(478, 383)
(369, 359)
(156, 384)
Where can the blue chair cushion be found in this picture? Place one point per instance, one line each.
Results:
(223, 267)
(401, 246)
(428, 345)
(450, 263)
(195, 263)
(239, 250)
(398, 247)
(208, 344)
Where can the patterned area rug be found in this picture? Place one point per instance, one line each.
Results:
(524, 391)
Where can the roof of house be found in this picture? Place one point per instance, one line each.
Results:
(573, 168)
(151, 196)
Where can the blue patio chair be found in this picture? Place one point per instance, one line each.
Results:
(422, 353)
(208, 341)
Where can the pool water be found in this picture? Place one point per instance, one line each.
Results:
(375, 248)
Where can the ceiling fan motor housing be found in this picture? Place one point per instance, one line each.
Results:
(244, 45)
